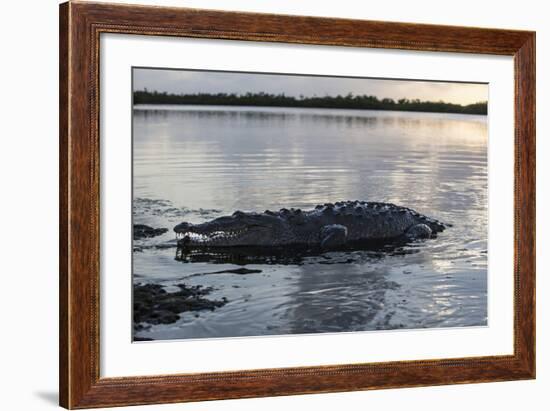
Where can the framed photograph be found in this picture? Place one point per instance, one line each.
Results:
(259, 205)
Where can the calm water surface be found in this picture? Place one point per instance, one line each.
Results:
(195, 163)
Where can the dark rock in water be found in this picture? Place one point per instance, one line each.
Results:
(237, 271)
(154, 305)
(240, 271)
(144, 231)
(142, 339)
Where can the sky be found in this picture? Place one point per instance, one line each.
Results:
(191, 82)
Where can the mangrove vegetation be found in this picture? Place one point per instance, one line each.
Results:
(349, 101)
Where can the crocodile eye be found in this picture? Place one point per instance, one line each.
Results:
(238, 214)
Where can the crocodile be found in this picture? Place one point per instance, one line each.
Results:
(330, 225)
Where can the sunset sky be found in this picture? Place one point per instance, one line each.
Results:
(190, 82)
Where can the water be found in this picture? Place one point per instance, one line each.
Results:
(195, 163)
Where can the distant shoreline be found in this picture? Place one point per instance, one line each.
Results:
(149, 107)
(350, 101)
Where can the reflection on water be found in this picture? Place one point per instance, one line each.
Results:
(197, 163)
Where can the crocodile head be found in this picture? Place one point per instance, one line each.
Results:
(239, 229)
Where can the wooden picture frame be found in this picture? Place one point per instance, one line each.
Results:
(80, 27)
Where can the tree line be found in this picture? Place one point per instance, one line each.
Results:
(350, 101)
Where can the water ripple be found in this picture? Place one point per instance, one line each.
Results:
(199, 163)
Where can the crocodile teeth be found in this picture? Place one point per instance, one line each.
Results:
(215, 235)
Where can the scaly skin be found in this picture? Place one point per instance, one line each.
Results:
(327, 226)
